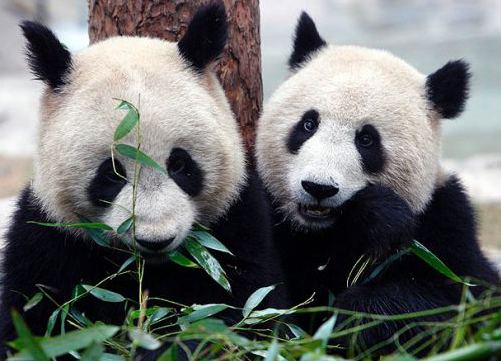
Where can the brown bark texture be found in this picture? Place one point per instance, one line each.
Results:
(239, 69)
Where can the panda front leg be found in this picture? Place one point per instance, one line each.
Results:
(398, 295)
(376, 222)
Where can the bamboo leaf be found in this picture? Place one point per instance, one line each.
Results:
(207, 262)
(31, 345)
(209, 241)
(104, 295)
(144, 339)
(180, 259)
(255, 299)
(126, 125)
(201, 312)
(72, 341)
(325, 330)
(427, 256)
(125, 226)
(93, 352)
(140, 157)
(33, 301)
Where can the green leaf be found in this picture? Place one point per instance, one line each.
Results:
(255, 299)
(104, 295)
(273, 350)
(200, 227)
(33, 301)
(207, 262)
(325, 330)
(427, 256)
(72, 341)
(31, 345)
(52, 322)
(158, 315)
(140, 157)
(111, 357)
(126, 264)
(201, 312)
(297, 331)
(125, 226)
(93, 352)
(127, 124)
(144, 339)
(64, 314)
(181, 260)
(124, 104)
(209, 241)
(93, 225)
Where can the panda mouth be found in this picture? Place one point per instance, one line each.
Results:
(316, 213)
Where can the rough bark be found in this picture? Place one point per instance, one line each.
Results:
(239, 69)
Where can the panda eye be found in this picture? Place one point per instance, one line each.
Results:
(110, 174)
(365, 140)
(309, 125)
(177, 166)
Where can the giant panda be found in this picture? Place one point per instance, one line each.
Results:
(187, 127)
(348, 147)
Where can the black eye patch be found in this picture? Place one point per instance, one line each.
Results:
(185, 172)
(106, 184)
(368, 143)
(303, 130)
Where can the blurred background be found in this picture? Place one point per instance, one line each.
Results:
(425, 33)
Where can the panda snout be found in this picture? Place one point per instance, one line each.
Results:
(155, 246)
(320, 191)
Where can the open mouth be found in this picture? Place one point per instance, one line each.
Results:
(316, 213)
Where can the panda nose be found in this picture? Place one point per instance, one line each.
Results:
(155, 245)
(320, 191)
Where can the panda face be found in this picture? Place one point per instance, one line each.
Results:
(350, 117)
(186, 126)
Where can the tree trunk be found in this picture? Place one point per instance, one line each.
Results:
(239, 69)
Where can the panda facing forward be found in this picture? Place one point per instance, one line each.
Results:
(186, 126)
(349, 147)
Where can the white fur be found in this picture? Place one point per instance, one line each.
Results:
(178, 108)
(350, 86)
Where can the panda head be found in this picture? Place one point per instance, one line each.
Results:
(349, 117)
(186, 126)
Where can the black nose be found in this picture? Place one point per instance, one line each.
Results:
(155, 245)
(319, 191)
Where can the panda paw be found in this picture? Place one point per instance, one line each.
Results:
(378, 220)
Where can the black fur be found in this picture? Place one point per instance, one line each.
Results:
(299, 134)
(448, 88)
(185, 172)
(373, 156)
(206, 36)
(378, 222)
(307, 40)
(49, 60)
(51, 257)
(106, 184)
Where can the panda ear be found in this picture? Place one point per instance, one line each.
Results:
(206, 36)
(48, 59)
(306, 41)
(448, 88)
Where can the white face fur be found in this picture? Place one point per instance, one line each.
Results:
(182, 112)
(349, 117)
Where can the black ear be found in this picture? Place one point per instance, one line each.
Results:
(206, 36)
(48, 59)
(448, 88)
(306, 41)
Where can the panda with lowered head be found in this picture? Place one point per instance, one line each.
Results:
(186, 125)
(349, 147)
